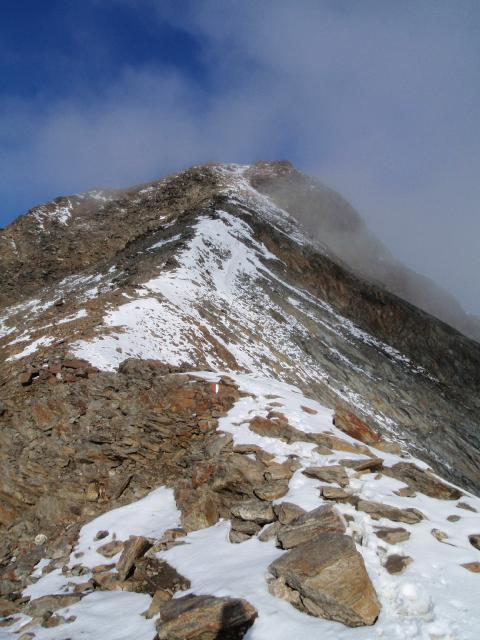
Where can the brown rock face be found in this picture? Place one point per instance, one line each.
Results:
(205, 618)
(326, 578)
(324, 519)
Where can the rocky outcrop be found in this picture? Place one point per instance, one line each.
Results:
(205, 618)
(326, 577)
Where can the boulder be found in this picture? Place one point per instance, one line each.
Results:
(333, 473)
(377, 510)
(310, 525)
(326, 577)
(422, 481)
(205, 618)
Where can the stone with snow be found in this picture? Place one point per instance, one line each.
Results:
(326, 577)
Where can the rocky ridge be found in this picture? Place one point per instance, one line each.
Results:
(161, 476)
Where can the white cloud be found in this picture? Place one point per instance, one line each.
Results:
(379, 99)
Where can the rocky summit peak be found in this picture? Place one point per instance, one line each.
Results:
(222, 416)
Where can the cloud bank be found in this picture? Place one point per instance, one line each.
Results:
(380, 100)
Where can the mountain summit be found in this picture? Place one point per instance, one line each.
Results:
(200, 352)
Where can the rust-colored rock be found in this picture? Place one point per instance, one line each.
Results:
(353, 426)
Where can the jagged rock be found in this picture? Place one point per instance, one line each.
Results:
(326, 577)
(152, 575)
(397, 563)
(377, 510)
(324, 519)
(135, 547)
(422, 481)
(474, 540)
(287, 512)
(333, 473)
(205, 618)
(393, 536)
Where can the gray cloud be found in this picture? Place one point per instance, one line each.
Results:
(378, 99)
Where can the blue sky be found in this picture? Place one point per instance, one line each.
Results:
(379, 99)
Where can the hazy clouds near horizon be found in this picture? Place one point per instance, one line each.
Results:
(379, 99)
